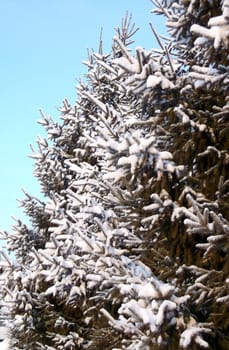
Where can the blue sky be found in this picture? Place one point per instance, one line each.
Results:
(43, 44)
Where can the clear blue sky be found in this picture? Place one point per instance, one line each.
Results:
(43, 43)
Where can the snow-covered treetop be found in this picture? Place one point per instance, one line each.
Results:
(128, 248)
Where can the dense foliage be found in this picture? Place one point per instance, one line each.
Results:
(129, 248)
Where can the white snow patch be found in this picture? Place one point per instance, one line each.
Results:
(194, 334)
(4, 345)
(153, 81)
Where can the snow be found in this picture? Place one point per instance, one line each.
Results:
(4, 345)
(200, 41)
(132, 160)
(193, 334)
(224, 300)
(154, 318)
(151, 207)
(156, 80)
(131, 67)
(218, 31)
(51, 290)
(153, 81)
(3, 330)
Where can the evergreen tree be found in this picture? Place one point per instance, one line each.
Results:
(129, 248)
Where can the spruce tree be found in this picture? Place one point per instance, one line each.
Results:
(129, 247)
